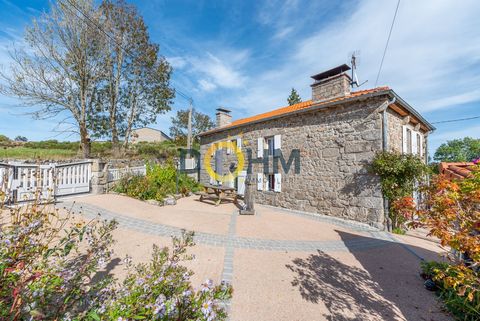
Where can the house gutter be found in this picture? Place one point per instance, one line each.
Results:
(321, 106)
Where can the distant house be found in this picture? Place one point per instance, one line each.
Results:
(336, 134)
(147, 134)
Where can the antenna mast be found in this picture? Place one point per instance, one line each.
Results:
(355, 81)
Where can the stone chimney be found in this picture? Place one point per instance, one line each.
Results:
(331, 84)
(223, 117)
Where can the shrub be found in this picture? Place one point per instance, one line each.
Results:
(159, 181)
(161, 290)
(163, 150)
(48, 265)
(399, 173)
(452, 214)
(463, 303)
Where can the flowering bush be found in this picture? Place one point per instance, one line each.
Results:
(161, 290)
(452, 213)
(48, 262)
(159, 181)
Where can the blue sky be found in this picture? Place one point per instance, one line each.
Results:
(247, 55)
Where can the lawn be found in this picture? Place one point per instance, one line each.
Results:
(36, 153)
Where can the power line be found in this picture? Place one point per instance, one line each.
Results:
(386, 45)
(71, 2)
(455, 120)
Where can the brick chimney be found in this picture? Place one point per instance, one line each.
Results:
(331, 84)
(223, 117)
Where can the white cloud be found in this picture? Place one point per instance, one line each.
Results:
(221, 72)
(448, 101)
(177, 62)
(282, 33)
(206, 85)
(433, 53)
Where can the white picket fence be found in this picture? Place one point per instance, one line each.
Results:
(23, 182)
(115, 174)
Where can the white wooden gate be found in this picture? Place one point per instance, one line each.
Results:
(24, 182)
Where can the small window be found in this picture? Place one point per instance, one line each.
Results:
(270, 145)
(271, 182)
(409, 141)
(419, 145)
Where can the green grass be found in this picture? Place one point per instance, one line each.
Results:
(36, 153)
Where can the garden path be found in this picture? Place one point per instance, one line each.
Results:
(283, 265)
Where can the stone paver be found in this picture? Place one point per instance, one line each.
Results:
(285, 265)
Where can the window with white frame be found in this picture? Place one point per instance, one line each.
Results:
(271, 144)
(412, 141)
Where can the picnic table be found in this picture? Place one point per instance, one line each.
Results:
(218, 193)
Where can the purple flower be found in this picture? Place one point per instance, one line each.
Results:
(476, 161)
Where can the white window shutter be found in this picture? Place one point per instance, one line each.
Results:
(229, 149)
(420, 152)
(277, 144)
(278, 182)
(260, 147)
(414, 143)
(241, 182)
(260, 181)
(404, 139)
(239, 143)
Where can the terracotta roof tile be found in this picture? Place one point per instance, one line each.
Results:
(457, 170)
(300, 106)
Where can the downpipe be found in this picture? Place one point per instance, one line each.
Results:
(386, 206)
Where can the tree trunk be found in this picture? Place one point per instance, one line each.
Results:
(84, 141)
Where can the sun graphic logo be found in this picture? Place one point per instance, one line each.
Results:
(228, 145)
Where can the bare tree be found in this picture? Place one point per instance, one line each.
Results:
(62, 65)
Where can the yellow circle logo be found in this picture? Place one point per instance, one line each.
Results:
(219, 146)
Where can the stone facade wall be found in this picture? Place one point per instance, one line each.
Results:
(336, 146)
(395, 134)
(333, 87)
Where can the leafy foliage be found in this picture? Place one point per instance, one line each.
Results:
(49, 265)
(398, 175)
(179, 129)
(294, 98)
(463, 304)
(458, 150)
(452, 214)
(161, 290)
(159, 182)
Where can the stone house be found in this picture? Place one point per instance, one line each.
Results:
(147, 134)
(336, 135)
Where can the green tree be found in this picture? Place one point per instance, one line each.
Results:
(136, 87)
(294, 98)
(200, 123)
(458, 150)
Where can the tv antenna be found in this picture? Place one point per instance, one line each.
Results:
(354, 62)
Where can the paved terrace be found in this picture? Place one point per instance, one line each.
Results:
(283, 265)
